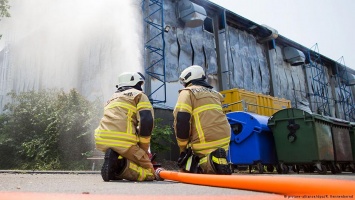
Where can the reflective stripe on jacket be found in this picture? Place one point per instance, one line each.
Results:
(209, 127)
(121, 119)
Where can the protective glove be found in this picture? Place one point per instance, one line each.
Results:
(184, 156)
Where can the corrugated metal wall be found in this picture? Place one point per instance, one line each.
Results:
(249, 64)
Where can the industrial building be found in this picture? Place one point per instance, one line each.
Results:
(256, 69)
(239, 55)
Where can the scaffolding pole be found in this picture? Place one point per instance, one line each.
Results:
(319, 84)
(154, 49)
(345, 98)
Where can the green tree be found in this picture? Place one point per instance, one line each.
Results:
(161, 137)
(77, 119)
(4, 8)
(48, 129)
(30, 130)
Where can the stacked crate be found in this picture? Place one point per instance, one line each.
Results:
(242, 100)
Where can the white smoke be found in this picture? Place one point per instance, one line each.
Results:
(66, 44)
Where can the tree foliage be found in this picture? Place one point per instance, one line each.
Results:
(48, 129)
(4, 8)
(161, 137)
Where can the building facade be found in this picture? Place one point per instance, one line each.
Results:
(238, 53)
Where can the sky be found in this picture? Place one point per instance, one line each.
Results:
(326, 26)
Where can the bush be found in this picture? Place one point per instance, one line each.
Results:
(46, 130)
(161, 137)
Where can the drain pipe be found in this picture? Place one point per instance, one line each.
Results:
(270, 184)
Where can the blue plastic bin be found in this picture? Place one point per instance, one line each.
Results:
(252, 142)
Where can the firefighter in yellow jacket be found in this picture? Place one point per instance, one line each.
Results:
(201, 128)
(125, 130)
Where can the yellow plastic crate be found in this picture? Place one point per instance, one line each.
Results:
(265, 105)
(232, 97)
(279, 104)
(242, 100)
(250, 99)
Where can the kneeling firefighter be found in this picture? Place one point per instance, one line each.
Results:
(201, 128)
(125, 130)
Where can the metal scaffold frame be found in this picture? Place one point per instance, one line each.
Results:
(320, 87)
(154, 44)
(345, 98)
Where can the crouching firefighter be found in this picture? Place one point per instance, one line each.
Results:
(125, 130)
(201, 128)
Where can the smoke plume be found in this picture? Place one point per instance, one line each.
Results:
(82, 44)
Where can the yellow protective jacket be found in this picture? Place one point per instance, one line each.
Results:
(128, 120)
(199, 120)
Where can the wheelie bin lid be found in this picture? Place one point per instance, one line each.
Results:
(248, 123)
(295, 113)
(337, 121)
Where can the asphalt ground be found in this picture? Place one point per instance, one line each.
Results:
(60, 185)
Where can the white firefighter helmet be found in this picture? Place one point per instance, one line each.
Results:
(130, 79)
(191, 73)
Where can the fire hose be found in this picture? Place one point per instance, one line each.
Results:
(270, 184)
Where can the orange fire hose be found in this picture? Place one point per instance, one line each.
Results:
(271, 184)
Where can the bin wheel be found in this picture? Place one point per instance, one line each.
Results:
(284, 168)
(306, 169)
(270, 168)
(250, 167)
(343, 167)
(296, 168)
(242, 167)
(312, 168)
(352, 168)
(335, 168)
(278, 169)
(260, 168)
(233, 167)
(338, 168)
(323, 169)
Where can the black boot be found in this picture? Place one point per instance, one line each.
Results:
(110, 165)
(121, 165)
(219, 162)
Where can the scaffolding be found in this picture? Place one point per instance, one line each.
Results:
(319, 84)
(345, 98)
(154, 47)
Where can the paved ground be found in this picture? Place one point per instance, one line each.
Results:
(26, 185)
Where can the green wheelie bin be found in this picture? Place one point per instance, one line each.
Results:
(343, 155)
(302, 140)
